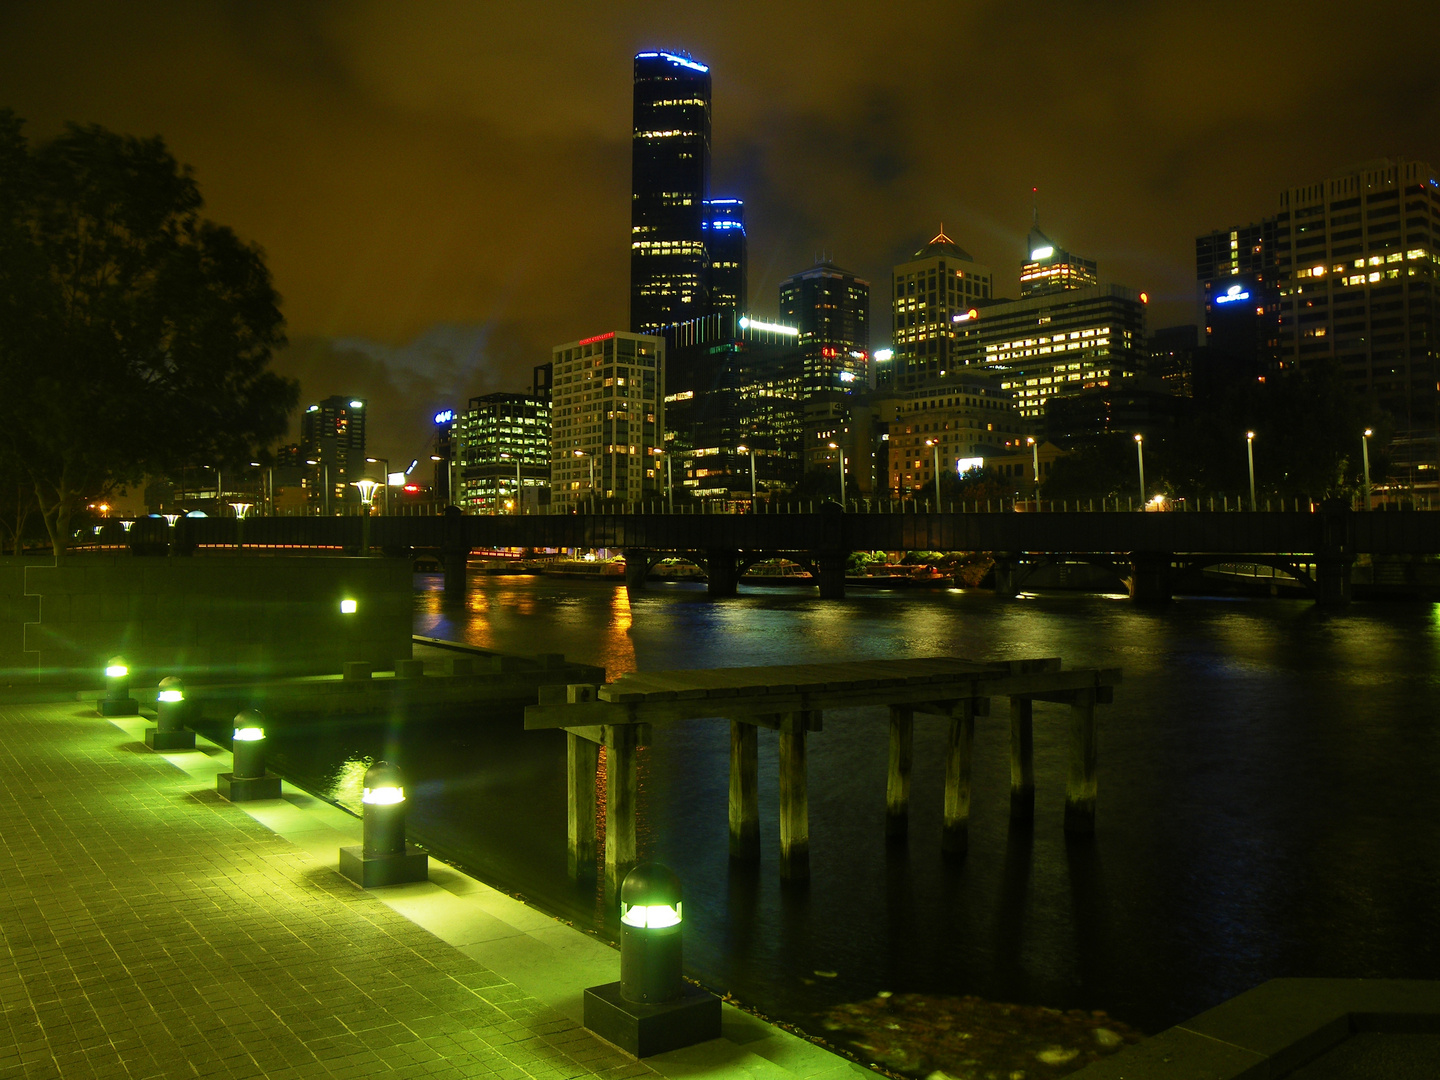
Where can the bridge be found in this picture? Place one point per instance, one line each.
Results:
(1147, 550)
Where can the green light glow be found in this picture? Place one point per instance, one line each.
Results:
(383, 796)
(650, 917)
(116, 671)
(170, 695)
(348, 607)
(249, 734)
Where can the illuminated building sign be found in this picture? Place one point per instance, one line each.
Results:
(965, 464)
(767, 327)
(445, 416)
(1041, 253)
(597, 337)
(882, 355)
(966, 316)
(1231, 294)
(682, 61)
(847, 376)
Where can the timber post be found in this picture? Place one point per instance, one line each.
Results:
(621, 791)
(1080, 784)
(744, 794)
(1022, 759)
(794, 799)
(897, 783)
(582, 761)
(958, 755)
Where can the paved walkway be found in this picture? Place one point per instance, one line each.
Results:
(148, 928)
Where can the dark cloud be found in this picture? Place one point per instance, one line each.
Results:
(443, 188)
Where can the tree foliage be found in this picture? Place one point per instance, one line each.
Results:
(135, 335)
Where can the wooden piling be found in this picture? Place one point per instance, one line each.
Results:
(958, 752)
(744, 795)
(1022, 760)
(794, 800)
(1084, 757)
(582, 758)
(621, 788)
(897, 784)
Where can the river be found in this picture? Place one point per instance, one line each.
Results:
(1269, 795)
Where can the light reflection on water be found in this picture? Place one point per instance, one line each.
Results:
(1267, 798)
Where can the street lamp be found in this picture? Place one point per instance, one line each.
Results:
(751, 452)
(934, 445)
(591, 459)
(669, 481)
(269, 492)
(325, 467)
(841, 455)
(1250, 456)
(386, 463)
(517, 480)
(1365, 451)
(1035, 462)
(367, 492)
(1140, 457)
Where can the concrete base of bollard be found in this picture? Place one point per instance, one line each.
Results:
(156, 739)
(409, 669)
(247, 788)
(122, 707)
(643, 1030)
(373, 871)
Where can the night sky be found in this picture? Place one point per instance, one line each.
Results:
(442, 189)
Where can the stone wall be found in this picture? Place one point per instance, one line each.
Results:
(205, 617)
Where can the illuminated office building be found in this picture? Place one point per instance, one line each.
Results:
(1056, 343)
(1049, 268)
(831, 308)
(961, 423)
(332, 434)
(670, 181)
(940, 282)
(607, 418)
(505, 452)
(724, 228)
(1356, 258)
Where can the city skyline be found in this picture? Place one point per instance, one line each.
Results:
(403, 171)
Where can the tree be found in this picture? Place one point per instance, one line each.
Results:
(134, 334)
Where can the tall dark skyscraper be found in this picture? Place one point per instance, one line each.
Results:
(831, 306)
(670, 181)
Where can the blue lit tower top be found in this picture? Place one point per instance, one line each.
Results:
(724, 227)
(670, 180)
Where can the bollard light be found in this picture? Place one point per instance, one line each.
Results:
(171, 711)
(383, 858)
(117, 700)
(650, 921)
(248, 779)
(349, 607)
(651, 1009)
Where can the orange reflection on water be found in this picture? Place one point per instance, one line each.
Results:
(619, 648)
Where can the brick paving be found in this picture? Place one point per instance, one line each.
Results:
(149, 929)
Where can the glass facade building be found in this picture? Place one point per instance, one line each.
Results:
(724, 227)
(831, 308)
(504, 446)
(670, 181)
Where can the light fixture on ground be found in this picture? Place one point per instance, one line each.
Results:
(247, 779)
(651, 1009)
(171, 712)
(384, 857)
(117, 700)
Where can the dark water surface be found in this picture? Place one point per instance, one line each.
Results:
(1269, 796)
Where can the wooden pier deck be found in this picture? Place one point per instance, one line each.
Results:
(791, 700)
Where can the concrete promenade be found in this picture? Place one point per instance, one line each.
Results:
(148, 928)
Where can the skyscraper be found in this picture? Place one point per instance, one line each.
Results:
(831, 306)
(1049, 268)
(332, 434)
(941, 281)
(670, 181)
(724, 228)
(1236, 275)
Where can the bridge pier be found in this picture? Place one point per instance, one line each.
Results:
(722, 572)
(1005, 575)
(794, 799)
(1332, 581)
(637, 565)
(1080, 784)
(1150, 577)
(830, 570)
(1022, 760)
(897, 784)
(456, 564)
(744, 793)
(959, 752)
(621, 791)
(582, 760)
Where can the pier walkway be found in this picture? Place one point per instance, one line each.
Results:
(148, 928)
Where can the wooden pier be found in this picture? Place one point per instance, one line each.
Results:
(791, 701)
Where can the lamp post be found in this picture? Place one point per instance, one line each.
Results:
(934, 445)
(841, 455)
(1250, 457)
(268, 492)
(385, 462)
(516, 459)
(1365, 453)
(751, 452)
(383, 858)
(325, 467)
(591, 459)
(170, 714)
(669, 481)
(1035, 462)
(1140, 457)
